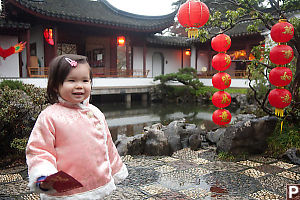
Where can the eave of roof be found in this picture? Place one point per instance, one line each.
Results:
(100, 13)
(13, 25)
(174, 41)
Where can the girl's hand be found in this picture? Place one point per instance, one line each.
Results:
(45, 186)
(42, 184)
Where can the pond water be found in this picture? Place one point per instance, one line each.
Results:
(130, 119)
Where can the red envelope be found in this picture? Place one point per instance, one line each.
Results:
(62, 182)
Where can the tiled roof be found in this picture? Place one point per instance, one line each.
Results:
(168, 41)
(95, 12)
(13, 25)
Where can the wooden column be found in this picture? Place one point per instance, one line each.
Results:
(27, 51)
(113, 54)
(128, 67)
(181, 58)
(55, 33)
(144, 60)
(196, 58)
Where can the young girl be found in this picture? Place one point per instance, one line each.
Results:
(71, 135)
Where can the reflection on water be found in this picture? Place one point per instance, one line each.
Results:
(128, 119)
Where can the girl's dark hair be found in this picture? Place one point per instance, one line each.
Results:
(59, 69)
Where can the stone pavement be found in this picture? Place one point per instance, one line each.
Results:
(185, 175)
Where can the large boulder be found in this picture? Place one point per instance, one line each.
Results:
(293, 154)
(133, 145)
(248, 136)
(156, 143)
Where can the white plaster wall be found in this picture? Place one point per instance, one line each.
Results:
(172, 59)
(137, 58)
(202, 62)
(10, 66)
(36, 36)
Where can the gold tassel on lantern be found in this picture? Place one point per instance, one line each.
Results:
(279, 112)
(193, 32)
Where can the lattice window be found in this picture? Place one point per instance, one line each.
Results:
(63, 48)
(1, 9)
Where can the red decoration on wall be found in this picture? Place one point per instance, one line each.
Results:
(280, 98)
(221, 117)
(4, 53)
(221, 99)
(282, 31)
(221, 43)
(280, 76)
(281, 54)
(48, 35)
(221, 61)
(193, 14)
(221, 80)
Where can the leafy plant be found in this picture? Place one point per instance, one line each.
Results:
(280, 142)
(20, 105)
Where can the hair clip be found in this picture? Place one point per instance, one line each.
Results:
(73, 63)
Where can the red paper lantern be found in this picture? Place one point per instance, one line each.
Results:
(281, 54)
(280, 76)
(221, 61)
(221, 117)
(193, 14)
(221, 99)
(221, 43)
(282, 31)
(121, 41)
(279, 98)
(221, 80)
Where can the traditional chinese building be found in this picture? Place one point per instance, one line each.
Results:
(117, 43)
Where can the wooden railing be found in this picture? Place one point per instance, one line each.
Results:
(40, 72)
(102, 72)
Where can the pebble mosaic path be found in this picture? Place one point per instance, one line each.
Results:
(185, 175)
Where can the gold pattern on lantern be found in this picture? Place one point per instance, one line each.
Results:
(228, 40)
(285, 77)
(225, 99)
(286, 98)
(227, 59)
(224, 117)
(226, 79)
(287, 54)
(288, 30)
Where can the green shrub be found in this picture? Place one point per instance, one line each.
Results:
(280, 142)
(14, 85)
(20, 105)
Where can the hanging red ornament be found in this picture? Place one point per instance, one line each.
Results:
(280, 76)
(279, 98)
(221, 43)
(281, 54)
(48, 35)
(221, 61)
(221, 99)
(221, 117)
(221, 80)
(192, 15)
(282, 31)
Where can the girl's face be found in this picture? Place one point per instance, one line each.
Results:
(77, 85)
